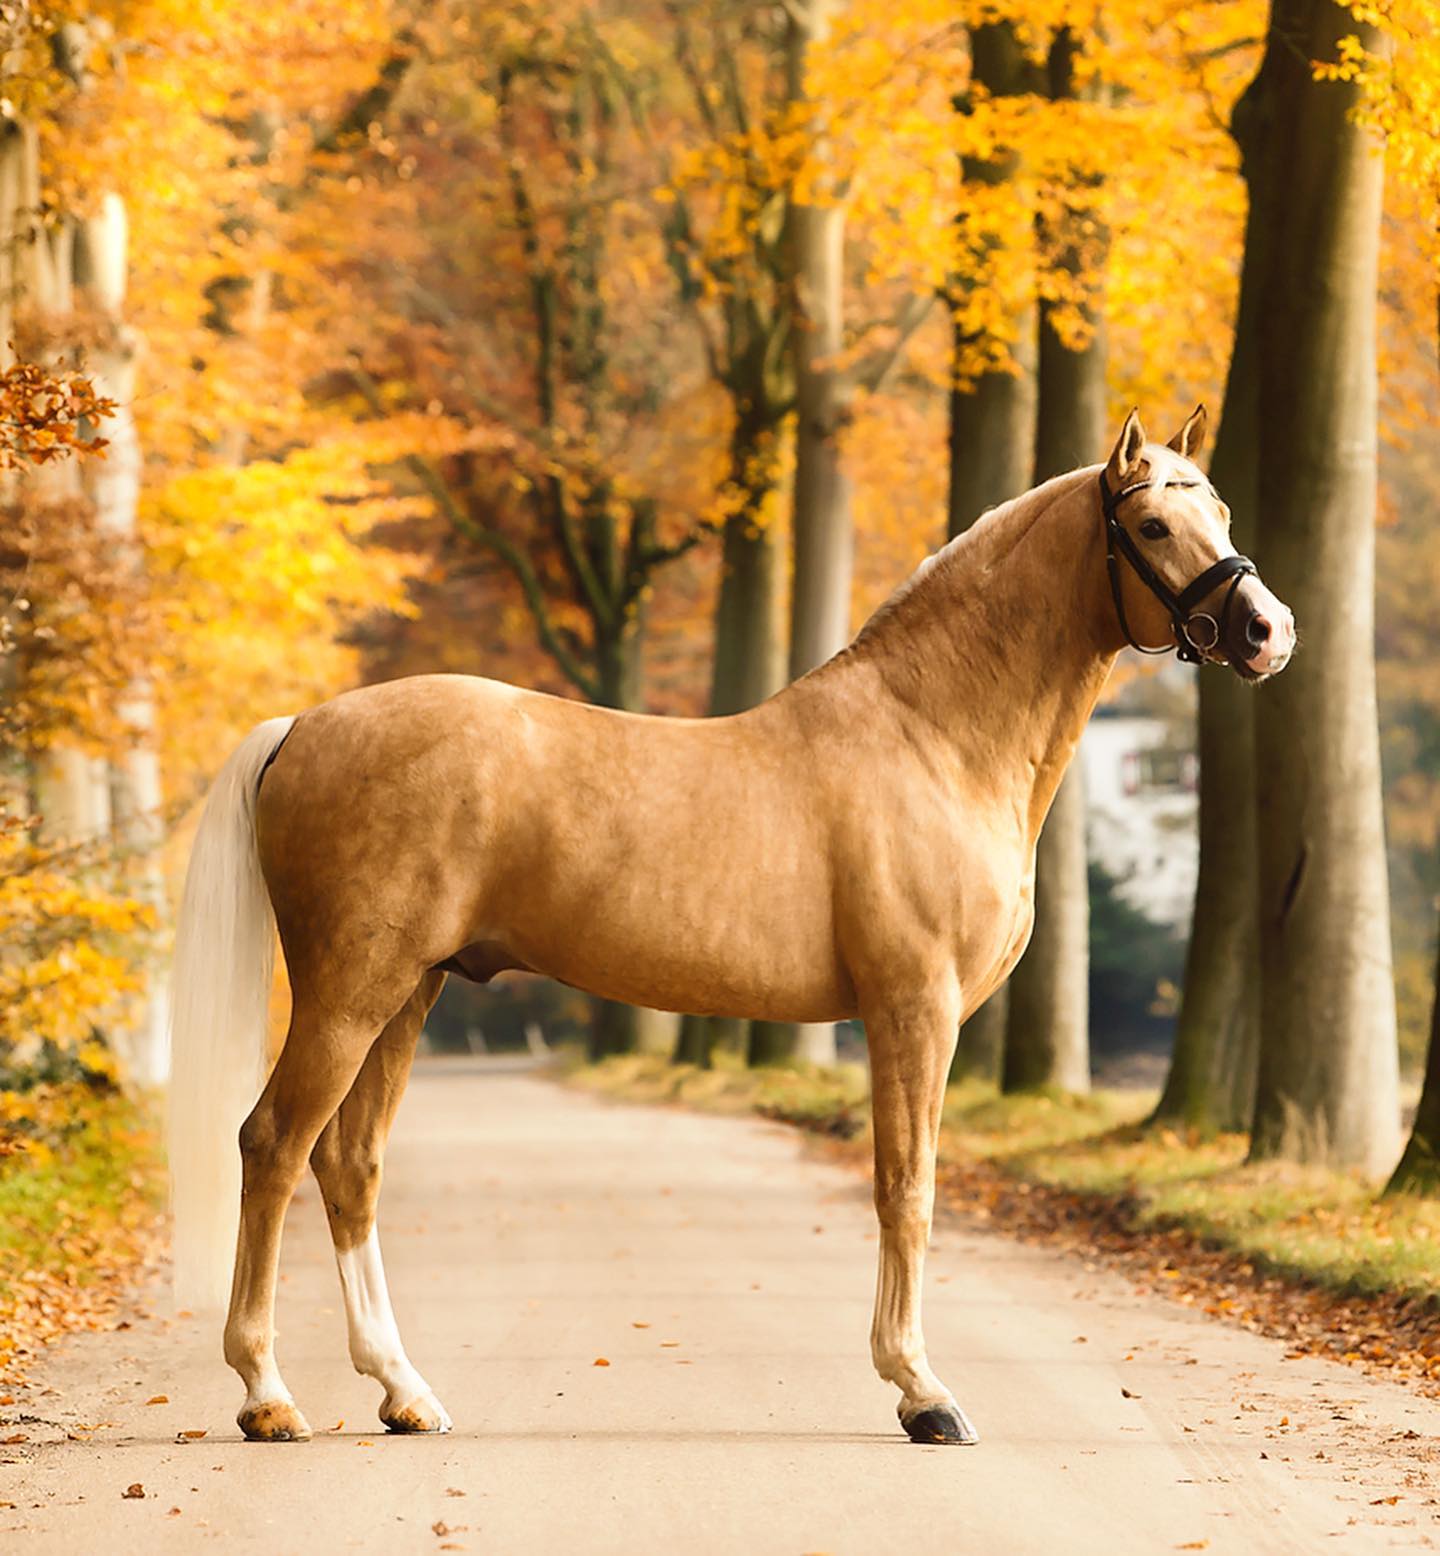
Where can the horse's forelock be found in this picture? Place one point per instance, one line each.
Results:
(1166, 466)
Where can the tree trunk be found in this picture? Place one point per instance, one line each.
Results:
(1211, 1083)
(1419, 1168)
(992, 437)
(1328, 1073)
(823, 522)
(101, 261)
(824, 519)
(1047, 1033)
(71, 787)
(749, 648)
(980, 1053)
(992, 443)
(616, 1028)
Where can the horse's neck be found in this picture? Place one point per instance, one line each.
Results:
(1004, 641)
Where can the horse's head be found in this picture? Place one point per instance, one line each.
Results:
(1176, 580)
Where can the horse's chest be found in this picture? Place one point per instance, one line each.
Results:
(997, 916)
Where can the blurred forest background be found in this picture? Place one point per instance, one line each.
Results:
(635, 352)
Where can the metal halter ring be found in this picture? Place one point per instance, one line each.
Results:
(1202, 631)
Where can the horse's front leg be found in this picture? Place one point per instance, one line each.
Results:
(912, 1039)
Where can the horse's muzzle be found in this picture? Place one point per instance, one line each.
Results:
(1269, 638)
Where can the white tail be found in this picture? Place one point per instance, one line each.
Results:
(224, 961)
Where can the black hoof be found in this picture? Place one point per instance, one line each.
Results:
(941, 1424)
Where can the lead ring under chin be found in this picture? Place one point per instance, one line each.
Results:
(1207, 635)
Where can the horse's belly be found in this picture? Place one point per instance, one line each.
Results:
(744, 940)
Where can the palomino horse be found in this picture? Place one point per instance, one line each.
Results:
(862, 843)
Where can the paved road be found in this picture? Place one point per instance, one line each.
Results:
(726, 1276)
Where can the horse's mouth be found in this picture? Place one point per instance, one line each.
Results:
(1247, 673)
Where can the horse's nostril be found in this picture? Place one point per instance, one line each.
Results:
(1257, 631)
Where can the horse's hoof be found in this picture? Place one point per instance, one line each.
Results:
(277, 1422)
(425, 1414)
(941, 1424)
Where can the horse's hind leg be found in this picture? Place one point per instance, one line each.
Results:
(347, 1162)
(321, 1058)
(911, 1038)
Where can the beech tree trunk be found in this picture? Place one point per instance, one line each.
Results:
(1419, 1168)
(101, 260)
(992, 436)
(70, 787)
(823, 521)
(1211, 1081)
(992, 442)
(1047, 1032)
(616, 1028)
(1328, 1071)
(749, 661)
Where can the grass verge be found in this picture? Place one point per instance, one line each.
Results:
(80, 1201)
(1313, 1257)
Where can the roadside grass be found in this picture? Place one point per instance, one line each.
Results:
(80, 1208)
(1091, 1172)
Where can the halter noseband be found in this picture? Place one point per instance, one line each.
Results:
(1180, 606)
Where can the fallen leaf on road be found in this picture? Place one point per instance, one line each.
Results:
(194, 1434)
(1385, 1501)
(636, 1324)
(1126, 1394)
(338, 1424)
(173, 1513)
(452, 1547)
(668, 1345)
(14, 1437)
(158, 1399)
(453, 1491)
(600, 1361)
(1080, 1340)
(1193, 1545)
(133, 1493)
(7, 1399)
(364, 1443)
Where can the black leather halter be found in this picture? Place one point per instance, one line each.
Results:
(1189, 635)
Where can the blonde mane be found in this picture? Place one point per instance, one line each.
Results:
(961, 564)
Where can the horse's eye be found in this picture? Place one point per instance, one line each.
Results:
(1153, 529)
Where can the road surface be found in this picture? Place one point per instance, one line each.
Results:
(725, 1274)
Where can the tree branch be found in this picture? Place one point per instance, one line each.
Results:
(376, 98)
(501, 545)
(873, 368)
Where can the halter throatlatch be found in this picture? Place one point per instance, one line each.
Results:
(1195, 631)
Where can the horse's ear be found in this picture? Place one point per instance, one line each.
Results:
(1191, 437)
(1125, 457)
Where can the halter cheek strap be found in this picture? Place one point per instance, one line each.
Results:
(1190, 635)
